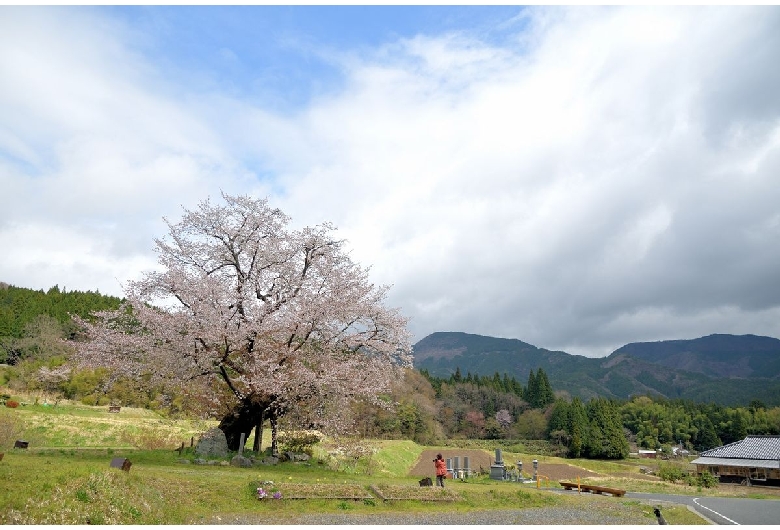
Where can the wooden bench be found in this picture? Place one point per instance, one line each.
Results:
(598, 490)
(114, 408)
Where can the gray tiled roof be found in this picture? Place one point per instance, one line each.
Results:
(752, 447)
(737, 462)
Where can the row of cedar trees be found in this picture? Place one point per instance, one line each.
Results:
(537, 393)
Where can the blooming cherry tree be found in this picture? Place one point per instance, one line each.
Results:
(258, 316)
(504, 418)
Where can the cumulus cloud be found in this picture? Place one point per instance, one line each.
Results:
(604, 175)
(612, 169)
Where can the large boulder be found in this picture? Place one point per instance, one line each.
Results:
(212, 443)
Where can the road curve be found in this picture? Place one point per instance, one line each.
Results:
(723, 510)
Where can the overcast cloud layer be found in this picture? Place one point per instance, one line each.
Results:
(594, 177)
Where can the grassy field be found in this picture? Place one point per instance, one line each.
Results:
(64, 477)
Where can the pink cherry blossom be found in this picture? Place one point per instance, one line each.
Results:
(245, 309)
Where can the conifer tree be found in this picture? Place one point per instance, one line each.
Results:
(545, 395)
(531, 390)
(578, 428)
(705, 437)
(456, 377)
(559, 417)
(606, 438)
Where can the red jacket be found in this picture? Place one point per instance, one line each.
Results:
(441, 467)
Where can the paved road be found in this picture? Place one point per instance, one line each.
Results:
(723, 510)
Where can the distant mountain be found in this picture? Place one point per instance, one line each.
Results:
(728, 356)
(630, 370)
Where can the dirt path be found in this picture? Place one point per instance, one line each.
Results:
(481, 460)
(478, 458)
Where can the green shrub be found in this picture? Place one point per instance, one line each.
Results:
(299, 441)
(707, 480)
(671, 472)
(95, 400)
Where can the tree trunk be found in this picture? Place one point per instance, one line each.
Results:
(257, 447)
(241, 420)
(274, 440)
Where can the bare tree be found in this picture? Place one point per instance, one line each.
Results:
(262, 318)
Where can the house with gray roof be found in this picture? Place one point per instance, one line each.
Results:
(754, 460)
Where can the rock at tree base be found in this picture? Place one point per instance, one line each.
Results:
(240, 461)
(212, 443)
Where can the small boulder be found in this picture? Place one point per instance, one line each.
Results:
(240, 461)
(269, 461)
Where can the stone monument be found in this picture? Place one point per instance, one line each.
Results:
(212, 443)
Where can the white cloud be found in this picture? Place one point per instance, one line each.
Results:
(607, 176)
(94, 143)
(520, 193)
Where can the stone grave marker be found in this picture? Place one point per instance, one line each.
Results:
(498, 470)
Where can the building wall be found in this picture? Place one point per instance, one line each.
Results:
(756, 474)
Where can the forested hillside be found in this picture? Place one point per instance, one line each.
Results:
(23, 313)
(621, 375)
(37, 340)
(499, 407)
(720, 356)
(19, 306)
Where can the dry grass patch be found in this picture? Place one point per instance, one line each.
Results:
(315, 491)
(388, 492)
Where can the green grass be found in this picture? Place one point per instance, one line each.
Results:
(74, 425)
(394, 458)
(65, 476)
(76, 487)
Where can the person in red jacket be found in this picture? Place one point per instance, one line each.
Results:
(441, 470)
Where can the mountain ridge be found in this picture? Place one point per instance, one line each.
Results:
(673, 369)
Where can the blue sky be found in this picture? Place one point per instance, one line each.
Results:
(575, 177)
(283, 55)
